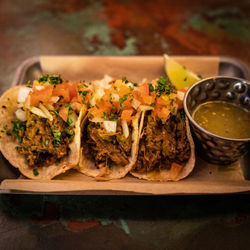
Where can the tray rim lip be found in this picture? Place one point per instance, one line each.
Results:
(36, 59)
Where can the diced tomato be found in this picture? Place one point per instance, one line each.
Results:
(160, 101)
(148, 99)
(164, 113)
(83, 93)
(175, 170)
(138, 97)
(127, 104)
(63, 113)
(42, 95)
(98, 111)
(62, 90)
(144, 89)
(127, 114)
(72, 89)
(75, 99)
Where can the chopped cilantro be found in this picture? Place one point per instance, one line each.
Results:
(35, 172)
(97, 106)
(163, 87)
(46, 143)
(16, 127)
(123, 99)
(200, 76)
(57, 138)
(151, 87)
(136, 84)
(51, 79)
(27, 160)
(185, 79)
(115, 87)
(57, 111)
(105, 116)
(124, 79)
(69, 121)
(113, 106)
(131, 88)
(29, 84)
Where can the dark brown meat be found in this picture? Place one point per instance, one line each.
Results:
(44, 142)
(162, 144)
(105, 150)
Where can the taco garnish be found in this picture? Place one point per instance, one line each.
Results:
(110, 131)
(42, 126)
(166, 148)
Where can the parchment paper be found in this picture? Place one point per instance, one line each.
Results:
(205, 179)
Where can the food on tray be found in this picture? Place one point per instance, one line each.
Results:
(179, 75)
(40, 126)
(110, 130)
(223, 119)
(166, 148)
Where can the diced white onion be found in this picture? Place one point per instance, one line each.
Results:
(46, 112)
(23, 93)
(107, 79)
(115, 97)
(49, 106)
(130, 84)
(74, 118)
(135, 103)
(180, 95)
(145, 108)
(125, 128)
(110, 126)
(39, 87)
(100, 92)
(38, 112)
(21, 115)
(54, 99)
(97, 119)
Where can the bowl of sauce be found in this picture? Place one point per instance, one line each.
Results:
(218, 109)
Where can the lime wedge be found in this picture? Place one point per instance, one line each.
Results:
(178, 75)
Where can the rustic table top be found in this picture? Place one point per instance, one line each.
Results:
(125, 27)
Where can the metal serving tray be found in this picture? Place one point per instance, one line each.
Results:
(31, 69)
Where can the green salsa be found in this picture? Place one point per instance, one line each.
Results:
(223, 119)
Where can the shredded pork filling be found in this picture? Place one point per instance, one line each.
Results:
(161, 144)
(106, 148)
(44, 142)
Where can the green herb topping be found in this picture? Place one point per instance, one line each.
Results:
(17, 127)
(51, 79)
(35, 172)
(163, 87)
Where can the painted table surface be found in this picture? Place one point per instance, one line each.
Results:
(180, 27)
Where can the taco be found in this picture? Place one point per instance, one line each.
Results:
(166, 147)
(110, 131)
(40, 126)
